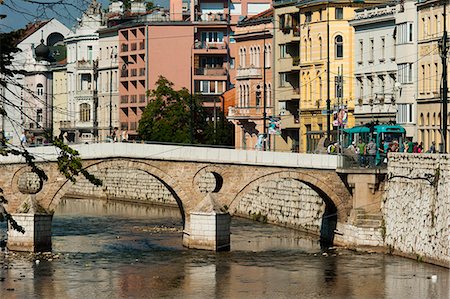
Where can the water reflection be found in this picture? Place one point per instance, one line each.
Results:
(121, 252)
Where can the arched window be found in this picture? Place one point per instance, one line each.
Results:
(339, 46)
(268, 50)
(85, 112)
(310, 49)
(320, 48)
(244, 56)
(247, 95)
(421, 120)
(269, 95)
(258, 54)
(306, 49)
(40, 89)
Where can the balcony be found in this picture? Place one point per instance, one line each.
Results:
(210, 48)
(216, 71)
(248, 112)
(249, 73)
(85, 65)
(211, 17)
(83, 94)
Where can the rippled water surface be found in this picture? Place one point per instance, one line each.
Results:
(124, 251)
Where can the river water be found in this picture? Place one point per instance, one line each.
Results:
(120, 250)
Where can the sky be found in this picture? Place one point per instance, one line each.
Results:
(20, 12)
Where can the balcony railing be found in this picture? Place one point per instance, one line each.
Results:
(85, 64)
(211, 17)
(210, 45)
(249, 73)
(219, 71)
(248, 112)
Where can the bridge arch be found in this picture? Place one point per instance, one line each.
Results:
(331, 207)
(170, 183)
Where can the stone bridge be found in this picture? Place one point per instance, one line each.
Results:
(297, 190)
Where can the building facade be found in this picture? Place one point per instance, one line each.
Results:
(429, 72)
(30, 95)
(252, 105)
(82, 72)
(108, 82)
(376, 88)
(314, 65)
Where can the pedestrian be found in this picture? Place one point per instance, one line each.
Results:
(23, 139)
(420, 148)
(124, 136)
(409, 146)
(361, 147)
(432, 148)
(371, 152)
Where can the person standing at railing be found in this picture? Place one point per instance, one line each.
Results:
(371, 151)
(361, 148)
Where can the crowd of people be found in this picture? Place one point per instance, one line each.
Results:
(369, 154)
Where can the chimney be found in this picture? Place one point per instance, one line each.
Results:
(176, 10)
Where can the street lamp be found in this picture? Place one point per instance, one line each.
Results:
(113, 55)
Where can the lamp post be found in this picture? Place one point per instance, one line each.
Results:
(113, 55)
(328, 75)
(444, 50)
(191, 100)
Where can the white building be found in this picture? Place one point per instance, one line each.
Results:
(406, 59)
(375, 64)
(108, 85)
(29, 95)
(386, 65)
(82, 59)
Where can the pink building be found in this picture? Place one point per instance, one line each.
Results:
(147, 51)
(253, 103)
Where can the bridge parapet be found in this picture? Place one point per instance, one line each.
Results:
(187, 154)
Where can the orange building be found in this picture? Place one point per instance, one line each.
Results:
(253, 88)
(146, 52)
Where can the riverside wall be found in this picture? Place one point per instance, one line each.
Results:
(416, 207)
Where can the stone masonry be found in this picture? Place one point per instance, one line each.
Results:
(285, 202)
(417, 207)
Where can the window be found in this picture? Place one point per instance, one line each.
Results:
(405, 113)
(320, 48)
(212, 37)
(283, 52)
(405, 73)
(308, 16)
(339, 46)
(339, 13)
(339, 86)
(283, 79)
(39, 116)
(361, 50)
(404, 33)
(40, 89)
(89, 53)
(372, 50)
(85, 112)
(383, 48)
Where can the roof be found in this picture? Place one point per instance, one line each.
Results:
(32, 28)
(263, 17)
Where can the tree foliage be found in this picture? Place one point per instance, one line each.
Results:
(167, 118)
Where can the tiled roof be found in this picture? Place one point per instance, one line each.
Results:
(32, 28)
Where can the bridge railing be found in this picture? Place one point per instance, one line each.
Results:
(186, 153)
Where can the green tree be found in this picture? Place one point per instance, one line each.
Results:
(167, 118)
(167, 115)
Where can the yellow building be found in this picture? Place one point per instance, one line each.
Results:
(60, 100)
(429, 73)
(301, 63)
